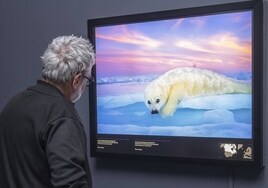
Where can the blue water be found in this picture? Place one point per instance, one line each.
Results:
(121, 110)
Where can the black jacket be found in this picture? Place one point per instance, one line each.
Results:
(42, 141)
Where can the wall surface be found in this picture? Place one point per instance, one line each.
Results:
(26, 27)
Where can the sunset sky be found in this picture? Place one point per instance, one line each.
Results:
(217, 42)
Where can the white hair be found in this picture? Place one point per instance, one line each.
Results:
(66, 57)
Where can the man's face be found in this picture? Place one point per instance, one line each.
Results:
(77, 94)
(80, 89)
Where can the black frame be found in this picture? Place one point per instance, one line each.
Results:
(124, 145)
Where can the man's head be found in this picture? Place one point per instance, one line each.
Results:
(66, 63)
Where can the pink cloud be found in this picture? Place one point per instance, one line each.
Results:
(123, 35)
(221, 44)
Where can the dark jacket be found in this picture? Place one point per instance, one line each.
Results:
(42, 141)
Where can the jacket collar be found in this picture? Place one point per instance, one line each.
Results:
(47, 89)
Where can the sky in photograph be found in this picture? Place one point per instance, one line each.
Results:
(221, 42)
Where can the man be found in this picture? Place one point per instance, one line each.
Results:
(42, 139)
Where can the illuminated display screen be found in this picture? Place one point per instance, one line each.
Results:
(178, 85)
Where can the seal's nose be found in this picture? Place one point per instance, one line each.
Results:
(154, 111)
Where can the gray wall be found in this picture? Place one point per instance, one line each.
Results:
(26, 27)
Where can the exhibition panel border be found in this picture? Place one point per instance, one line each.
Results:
(183, 85)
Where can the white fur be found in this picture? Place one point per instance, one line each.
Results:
(164, 93)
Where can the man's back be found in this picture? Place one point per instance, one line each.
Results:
(34, 127)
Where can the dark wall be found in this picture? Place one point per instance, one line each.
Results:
(26, 27)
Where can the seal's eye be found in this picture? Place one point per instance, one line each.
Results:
(149, 102)
(157, 100)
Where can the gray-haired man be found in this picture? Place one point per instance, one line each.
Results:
(42, 139)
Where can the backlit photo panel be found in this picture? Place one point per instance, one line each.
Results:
(182, 85)
(193, 52)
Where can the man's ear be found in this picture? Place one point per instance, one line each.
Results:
(76, 81)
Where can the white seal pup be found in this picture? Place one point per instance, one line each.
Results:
(164, 93)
